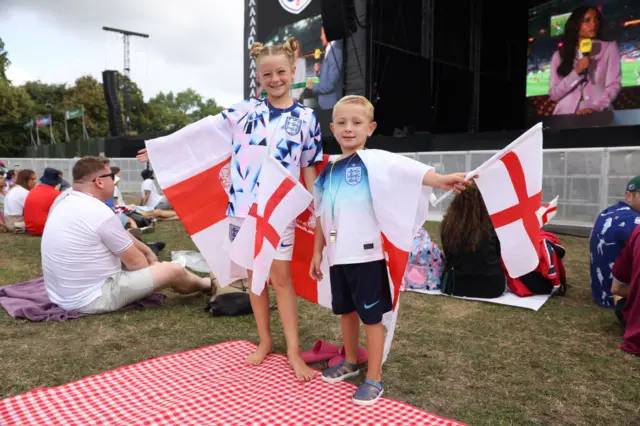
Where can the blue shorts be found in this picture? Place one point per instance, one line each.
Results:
(361, 287)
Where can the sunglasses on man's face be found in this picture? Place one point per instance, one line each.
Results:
(111, 175)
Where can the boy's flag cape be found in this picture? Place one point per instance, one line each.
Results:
(192, 168)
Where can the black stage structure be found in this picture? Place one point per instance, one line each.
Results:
(443, 75)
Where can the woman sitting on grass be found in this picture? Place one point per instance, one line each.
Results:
(472, 249)
(150, 198)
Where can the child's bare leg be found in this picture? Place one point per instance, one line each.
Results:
(260, 306)
(288, 309)
(351, 335)
(375, 348)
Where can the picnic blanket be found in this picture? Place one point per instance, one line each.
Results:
(508, 299)
(29, 300)
(206, 386)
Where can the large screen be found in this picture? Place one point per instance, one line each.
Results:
(318, 81)
(546, 28)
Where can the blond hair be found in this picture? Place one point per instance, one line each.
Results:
(356, 100)
(288, 48)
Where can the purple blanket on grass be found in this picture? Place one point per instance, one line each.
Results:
(29, 300)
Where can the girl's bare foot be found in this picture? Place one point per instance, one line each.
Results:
(303, 372)
(257, 357)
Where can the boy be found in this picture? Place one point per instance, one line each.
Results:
(349, 227)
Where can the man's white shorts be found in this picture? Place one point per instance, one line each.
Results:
(284, 251)
(120, 290)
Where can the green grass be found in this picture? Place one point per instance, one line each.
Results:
(540, 84)
(479, 363)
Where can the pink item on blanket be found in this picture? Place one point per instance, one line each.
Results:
(321, 351)
(363, 357)
(29, 300)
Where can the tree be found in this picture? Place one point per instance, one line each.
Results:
(88, 92)
(164, 114)
(183, 108)
(4, 62)
(49, 99)
(16, 109)
(205, 109)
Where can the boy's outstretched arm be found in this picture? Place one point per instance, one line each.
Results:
(455, 181)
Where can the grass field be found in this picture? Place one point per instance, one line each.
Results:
(538, 85)
(479, 363)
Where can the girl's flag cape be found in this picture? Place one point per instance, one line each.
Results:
(192, 167)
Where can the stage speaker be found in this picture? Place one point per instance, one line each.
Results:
(110, 86)
(338, 19)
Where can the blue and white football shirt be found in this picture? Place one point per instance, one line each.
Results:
(345, 187)
(257, 129)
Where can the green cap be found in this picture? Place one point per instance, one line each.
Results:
(634, 184)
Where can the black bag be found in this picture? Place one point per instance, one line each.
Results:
(140, 220)
(230, 304)
(448, 280)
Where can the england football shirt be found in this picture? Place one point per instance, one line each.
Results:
(257, 130)
(347, 209)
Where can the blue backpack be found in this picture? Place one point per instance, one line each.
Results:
(426, 264)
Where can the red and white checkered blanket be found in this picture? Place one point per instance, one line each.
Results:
(206, 386)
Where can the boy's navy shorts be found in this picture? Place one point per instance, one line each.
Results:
(361, 287)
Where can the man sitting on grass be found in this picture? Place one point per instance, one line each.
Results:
(626, 292)
(84, 246)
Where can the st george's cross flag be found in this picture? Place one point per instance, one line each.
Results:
(193, 172)
(279, 201)
(547, 211)
(511, 186)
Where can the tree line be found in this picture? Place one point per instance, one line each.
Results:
(20, 104)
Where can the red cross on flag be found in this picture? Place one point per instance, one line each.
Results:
(511, 186)
(547, 212)
(193, 172)
(279, 201)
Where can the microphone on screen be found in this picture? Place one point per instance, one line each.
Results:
(586, 46)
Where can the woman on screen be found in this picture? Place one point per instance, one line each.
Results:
(582, 83)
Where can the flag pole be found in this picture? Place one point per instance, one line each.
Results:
(66, 129)
(493, 159)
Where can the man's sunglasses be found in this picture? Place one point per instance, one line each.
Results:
(111, 175)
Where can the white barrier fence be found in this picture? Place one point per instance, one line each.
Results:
(587, 180)
(130, 169)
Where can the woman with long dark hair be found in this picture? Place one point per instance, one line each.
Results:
(582, 84)
(15, 199)
(472, 248)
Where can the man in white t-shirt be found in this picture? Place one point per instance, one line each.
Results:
(84, 247)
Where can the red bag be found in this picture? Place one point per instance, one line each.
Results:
(549, 277)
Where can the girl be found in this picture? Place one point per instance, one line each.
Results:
(472, 248)
(289, 132)
(583, 84)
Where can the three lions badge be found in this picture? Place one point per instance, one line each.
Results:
(353, 175)
(293, 125)
(294, 6)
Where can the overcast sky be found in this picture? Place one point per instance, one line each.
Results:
(193, 43)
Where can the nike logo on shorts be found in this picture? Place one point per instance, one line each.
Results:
(283, 245)
(371, 305)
